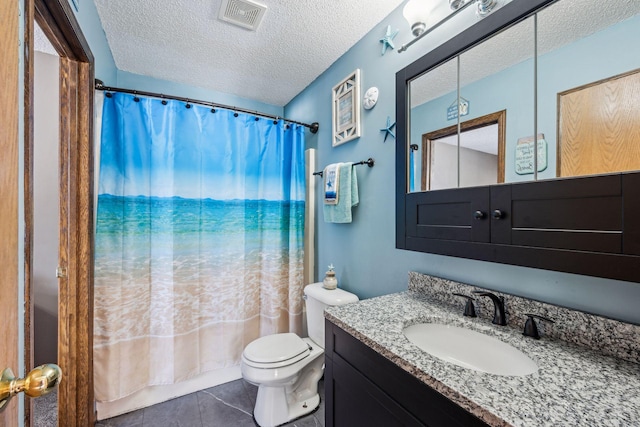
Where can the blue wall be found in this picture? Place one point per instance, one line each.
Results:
(149, 84)
(87, 16)
(363, 252)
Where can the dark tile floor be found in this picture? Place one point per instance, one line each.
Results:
(227, 405)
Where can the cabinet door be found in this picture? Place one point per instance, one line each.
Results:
(581, 214)
(631, 213)
(358, 402)
(457, 215)
(363, 388)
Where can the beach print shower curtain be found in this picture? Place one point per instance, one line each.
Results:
(199, 240)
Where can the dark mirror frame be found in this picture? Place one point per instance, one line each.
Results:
(492, 241)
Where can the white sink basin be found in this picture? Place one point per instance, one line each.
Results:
(470, 349)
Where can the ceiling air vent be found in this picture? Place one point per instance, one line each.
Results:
(244, 13)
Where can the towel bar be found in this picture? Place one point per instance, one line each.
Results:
(369, 162)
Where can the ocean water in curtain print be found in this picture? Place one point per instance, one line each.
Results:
(199, 240)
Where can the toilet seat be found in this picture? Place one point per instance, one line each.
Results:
(276, 351)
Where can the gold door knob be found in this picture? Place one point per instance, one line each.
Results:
(40, 381)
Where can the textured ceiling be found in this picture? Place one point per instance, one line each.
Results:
(185, 42)
(558, 25)
(41, 42)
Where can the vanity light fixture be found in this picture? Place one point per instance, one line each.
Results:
(417, 13)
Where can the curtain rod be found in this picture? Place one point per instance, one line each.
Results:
(313, 127)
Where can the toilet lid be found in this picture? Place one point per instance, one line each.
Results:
(277, 348)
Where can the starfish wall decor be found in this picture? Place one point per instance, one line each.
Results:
(387, 40)
(389, 129)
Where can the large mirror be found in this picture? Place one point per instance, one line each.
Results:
(567, 84)
(550, 89)
(589, 87)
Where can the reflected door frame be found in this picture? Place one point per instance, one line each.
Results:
(75, 275)
(499, 118)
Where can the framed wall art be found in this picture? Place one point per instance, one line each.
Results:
(346, 109)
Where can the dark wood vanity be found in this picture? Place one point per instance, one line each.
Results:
(363, 388)
(536, 224)
(588, 225)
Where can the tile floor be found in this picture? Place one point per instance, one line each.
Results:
(227, 405)
(45, 410)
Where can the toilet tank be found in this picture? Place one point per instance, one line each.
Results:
(317, 299)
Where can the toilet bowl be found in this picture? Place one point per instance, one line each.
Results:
(287, 368)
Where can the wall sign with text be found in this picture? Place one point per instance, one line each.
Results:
(525, 154)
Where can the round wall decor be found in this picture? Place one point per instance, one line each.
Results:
(370, 98)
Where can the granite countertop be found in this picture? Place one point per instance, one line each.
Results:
(574, 386)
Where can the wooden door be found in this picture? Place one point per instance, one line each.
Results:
(599, 127)
(9, 178)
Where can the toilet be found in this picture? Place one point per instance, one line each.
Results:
(287, 368)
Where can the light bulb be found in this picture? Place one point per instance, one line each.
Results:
(416, 12)
(485, 7)
(457, 4)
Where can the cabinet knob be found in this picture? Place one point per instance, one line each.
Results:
(478, 215)
(498, 214)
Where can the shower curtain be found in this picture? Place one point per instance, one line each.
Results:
(199, 239)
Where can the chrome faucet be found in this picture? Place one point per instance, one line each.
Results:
(498, 307)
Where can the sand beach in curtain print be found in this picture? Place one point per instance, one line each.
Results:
(209, 258)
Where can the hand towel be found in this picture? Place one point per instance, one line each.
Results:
(331, 179)
(348, 196)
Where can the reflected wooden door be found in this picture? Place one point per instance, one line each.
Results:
(599, 127)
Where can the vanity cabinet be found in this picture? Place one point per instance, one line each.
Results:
(569, 225)
(363, 388)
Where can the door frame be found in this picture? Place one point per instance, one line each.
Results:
(499, 118)
(75, 278)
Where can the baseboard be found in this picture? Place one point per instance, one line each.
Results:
(158, 394)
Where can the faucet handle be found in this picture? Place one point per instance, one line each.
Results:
(469, 309)
(530, 327)
(499, 317)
